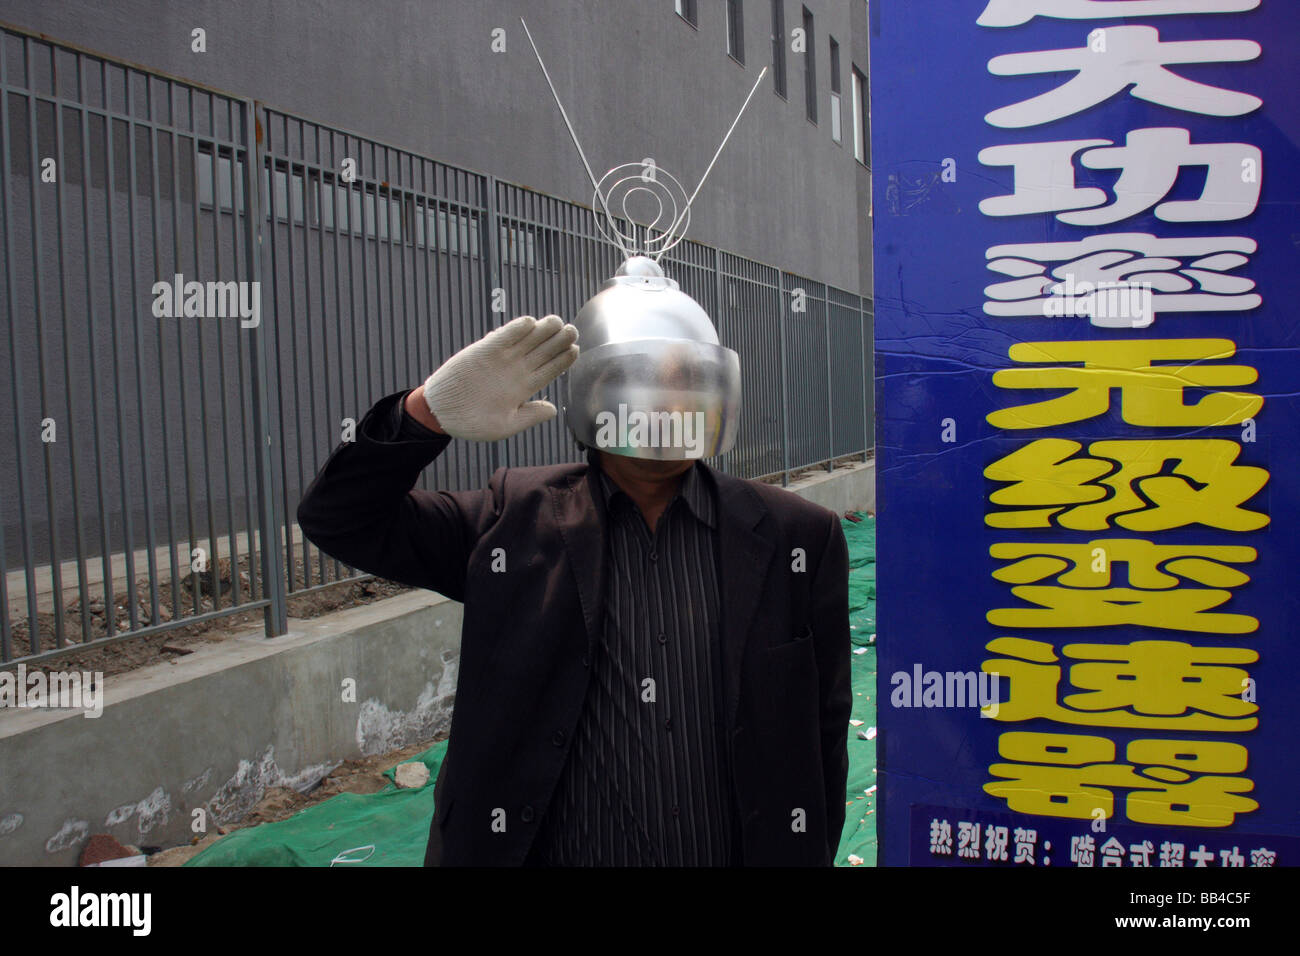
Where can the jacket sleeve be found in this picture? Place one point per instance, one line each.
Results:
(364, 510)
(834, 654)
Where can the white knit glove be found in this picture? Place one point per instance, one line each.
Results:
(481, 393)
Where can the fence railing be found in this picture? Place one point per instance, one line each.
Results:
(204, 294)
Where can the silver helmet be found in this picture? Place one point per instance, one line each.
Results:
(651, 379)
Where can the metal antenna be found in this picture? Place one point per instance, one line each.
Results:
(586, 165)
(743, 106)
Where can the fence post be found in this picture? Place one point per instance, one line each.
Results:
(490, 232)
(830, 379)
(785, 388)
(726, 462)
(265, 426)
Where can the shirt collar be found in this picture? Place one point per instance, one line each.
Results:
(693, 489)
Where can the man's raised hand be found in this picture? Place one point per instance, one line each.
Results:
(482, 392)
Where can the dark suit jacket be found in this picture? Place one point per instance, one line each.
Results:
(529, 633)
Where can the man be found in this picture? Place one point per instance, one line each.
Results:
(654, 662)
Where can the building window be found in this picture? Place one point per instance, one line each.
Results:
(861, 117)
(809, 66)
(736, 30)
(686, 10)
(835, 91)
(778, 47)
(453, 232)
(218, 192)
(284, 191)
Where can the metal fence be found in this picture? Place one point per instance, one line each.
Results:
(165, 413)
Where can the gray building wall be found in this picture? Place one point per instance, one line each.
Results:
(636, 79)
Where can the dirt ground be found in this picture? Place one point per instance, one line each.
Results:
(280, 803)
(847, 461)
(131, 653)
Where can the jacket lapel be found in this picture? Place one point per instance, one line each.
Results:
(745, 555)
(580, 516)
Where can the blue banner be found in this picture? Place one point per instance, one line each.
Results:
(1087, 272)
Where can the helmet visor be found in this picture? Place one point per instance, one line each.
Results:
(662, 399)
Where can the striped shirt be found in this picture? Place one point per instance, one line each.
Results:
(646, 779)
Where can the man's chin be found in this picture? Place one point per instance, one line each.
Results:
(649, 468)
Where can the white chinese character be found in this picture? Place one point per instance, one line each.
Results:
(1232, 857)
(1013, 13)
(1149, 164)
(1026, 841)
(995, 843)
(1132, 56)
(1180, 275)
(1262, 857)
(1082, 850)
(1171, 854)
(1139, 854)
(968, 840)
(1202, 856)
(1112, 853)
(1044, 178)
(940, 837)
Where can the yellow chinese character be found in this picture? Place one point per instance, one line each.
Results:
(1069, 775)
(1157, 595)
(1150, 395)
(1160, 677)
(1203, 487)
(1176, 798)
(1148, 689)
(1073, 785)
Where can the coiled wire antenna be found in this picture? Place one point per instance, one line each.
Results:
(618, 186)
(637, 183)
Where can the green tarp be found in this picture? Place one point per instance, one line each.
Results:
(390, 828)
(859, 837)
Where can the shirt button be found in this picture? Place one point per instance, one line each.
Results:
(663, 638)
(586, 661)
(654, 555)
(526, 814)
(558, 738)
(668, 724)
(677, 811)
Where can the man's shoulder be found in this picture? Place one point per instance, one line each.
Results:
(519, 477)
(783, 503)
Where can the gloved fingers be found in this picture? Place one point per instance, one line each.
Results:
(543, 331)
(552, 347)
(544, 374)
(514, 331)
(533, 413)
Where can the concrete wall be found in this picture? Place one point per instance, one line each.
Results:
(845, 489)
(218, 727)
